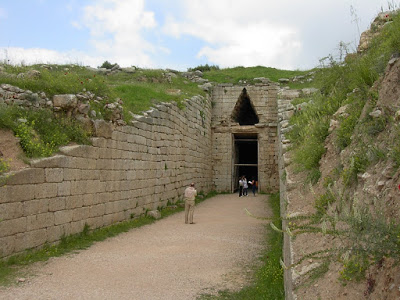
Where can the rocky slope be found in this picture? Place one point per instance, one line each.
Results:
(351, 250)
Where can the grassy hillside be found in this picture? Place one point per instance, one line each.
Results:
(353, 190)
(247, 75)
(138, 90)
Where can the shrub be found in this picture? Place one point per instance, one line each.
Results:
(322, 202)
(107, 65)
(358, 164)
(204, 68)
(4, 165)
(41, 134)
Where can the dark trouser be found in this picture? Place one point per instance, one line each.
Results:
(244, 191)
(240, 191)
(254, 190)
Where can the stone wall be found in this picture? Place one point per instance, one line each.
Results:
(263, 98)
(127, 171)
(285, 111)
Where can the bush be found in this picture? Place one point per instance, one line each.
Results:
(204, 68)
(4, 165)
(41, 133)
(107, 65)
(322, 202)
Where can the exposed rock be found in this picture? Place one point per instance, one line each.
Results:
(32, 74)
(155, 214)
(341, 112)
(102, 128)
(129, 70)
(376, 113)
(66, 101)
(262, 79)
(309, 91)
(206, 87)
(173, 92)
(333, 125)
(283, 80)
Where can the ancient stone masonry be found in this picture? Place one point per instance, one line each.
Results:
(244, 135)
(127, 171)
(140, 167)
(286, 185)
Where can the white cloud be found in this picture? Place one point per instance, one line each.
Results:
(237, 33)
(283, 34)
(16, 55)
(116, 28)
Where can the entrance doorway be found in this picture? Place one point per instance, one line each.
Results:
(245, 158)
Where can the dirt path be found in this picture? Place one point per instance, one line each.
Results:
(164, 260)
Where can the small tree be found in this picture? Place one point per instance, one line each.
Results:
(107, 65)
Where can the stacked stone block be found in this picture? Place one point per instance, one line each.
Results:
(263, 97)
(127, 171)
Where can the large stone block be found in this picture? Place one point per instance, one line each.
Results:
(103, 129)
(34, 207)
(56, 204)
(80, 214)
(54, 233)
(62, 217)
(7, 246)
(54, 174)
(64, 188)
(46, 190)
(11, 211)
(72, 174)
(17, 193)
(66, 101)
(11, 227)
(73, 202)
(95, 222)
(39, 221)
(31, 239)
(77, 227)
(26, 176)
(97, 210)
(57, 161)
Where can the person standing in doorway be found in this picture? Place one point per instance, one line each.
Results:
(240, 186)
(253, 186)
(245, 186)
(190, 195)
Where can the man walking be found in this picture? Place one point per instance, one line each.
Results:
(190, 194)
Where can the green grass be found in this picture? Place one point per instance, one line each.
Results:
(42, 133)
(234, 75)
(268, 279)
(348, 82)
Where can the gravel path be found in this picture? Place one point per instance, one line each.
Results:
(165, 260)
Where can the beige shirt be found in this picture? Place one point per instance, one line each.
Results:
(190, 193)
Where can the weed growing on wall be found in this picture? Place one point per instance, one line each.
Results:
(4, 165)
(40, 132)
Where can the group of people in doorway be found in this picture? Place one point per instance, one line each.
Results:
(244, 186)
(191, 193)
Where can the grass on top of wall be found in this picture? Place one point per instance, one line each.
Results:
(13, 267)
(236, 74)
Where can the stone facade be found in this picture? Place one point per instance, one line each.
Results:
(127, 171)
(263, 100)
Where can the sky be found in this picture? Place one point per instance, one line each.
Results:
(180, 34)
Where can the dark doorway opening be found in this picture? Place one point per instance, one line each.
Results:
(245, 158)
(244, 112)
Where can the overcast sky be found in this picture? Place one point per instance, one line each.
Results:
(285, 34)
